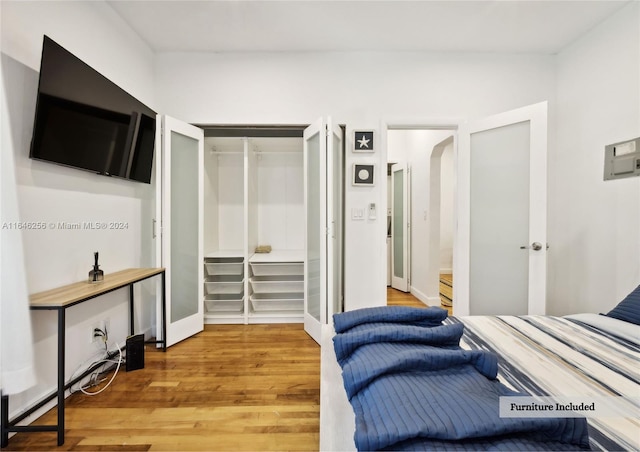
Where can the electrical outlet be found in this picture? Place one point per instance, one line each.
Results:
(102, 325)
(92, 336)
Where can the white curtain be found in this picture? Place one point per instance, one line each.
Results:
(17, 371)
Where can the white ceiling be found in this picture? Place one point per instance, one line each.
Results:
(542, 27)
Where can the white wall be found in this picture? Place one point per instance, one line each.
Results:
(594, 226)
(52, 194)
(281, 200)
(360, 90)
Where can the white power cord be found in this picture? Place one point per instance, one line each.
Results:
(119, 362)
(96, 360)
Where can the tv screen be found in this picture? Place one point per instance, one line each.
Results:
(83, 120)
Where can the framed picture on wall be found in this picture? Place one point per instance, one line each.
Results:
(363, 174)
(363, 141)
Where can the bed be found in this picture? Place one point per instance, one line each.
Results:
(586, 355)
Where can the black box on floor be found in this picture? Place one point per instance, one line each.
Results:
(135, 352)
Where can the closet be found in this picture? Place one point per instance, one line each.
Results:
(227, 192)
(253, 198)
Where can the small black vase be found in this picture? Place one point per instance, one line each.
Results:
(96, 275)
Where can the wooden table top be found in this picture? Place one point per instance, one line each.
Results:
(73, 293)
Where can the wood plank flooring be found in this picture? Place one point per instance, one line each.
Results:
(398, 298)
(230, 387)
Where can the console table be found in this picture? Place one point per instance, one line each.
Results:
(60, 299)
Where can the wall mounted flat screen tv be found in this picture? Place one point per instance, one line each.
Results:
(83, 120)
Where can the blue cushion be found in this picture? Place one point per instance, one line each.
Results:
(628, 309)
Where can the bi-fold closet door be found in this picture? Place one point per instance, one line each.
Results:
(253, 197)
(179, 226)
(323, 169)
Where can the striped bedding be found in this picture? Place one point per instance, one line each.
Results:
(556, 356)
(583, 355)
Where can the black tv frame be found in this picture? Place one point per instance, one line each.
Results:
(85, 121)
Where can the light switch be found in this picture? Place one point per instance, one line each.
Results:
(357, 213)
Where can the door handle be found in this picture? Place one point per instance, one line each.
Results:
(535, 246)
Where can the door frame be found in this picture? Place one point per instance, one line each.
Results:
(434, 208)
(449, 124)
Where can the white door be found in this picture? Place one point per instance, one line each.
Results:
(179, 178)
(334, 219)
(400, 227)
(322, 151)
(500, 265)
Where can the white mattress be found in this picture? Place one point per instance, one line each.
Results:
(337, 421)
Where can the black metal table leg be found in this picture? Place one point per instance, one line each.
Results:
(61, 361)
(131, 327)
(4, 415)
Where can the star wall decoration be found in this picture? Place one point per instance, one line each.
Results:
(363, 141)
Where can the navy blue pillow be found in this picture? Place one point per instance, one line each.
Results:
(628, 309)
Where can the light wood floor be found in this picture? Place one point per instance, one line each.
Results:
(396, 297)
(231, 387)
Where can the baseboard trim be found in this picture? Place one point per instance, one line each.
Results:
(433, 301)
(429, 301)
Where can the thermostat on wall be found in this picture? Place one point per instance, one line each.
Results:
(622, 159)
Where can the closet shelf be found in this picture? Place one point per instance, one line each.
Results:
(224, 297)
(276, 286)
(235, 306)
(224, 268)
(278, 256)
(224, 287)
(277, 268)
(277, 305)
(225, 254)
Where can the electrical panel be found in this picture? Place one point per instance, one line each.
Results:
(622, 159)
